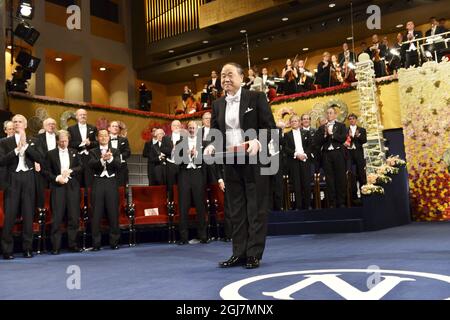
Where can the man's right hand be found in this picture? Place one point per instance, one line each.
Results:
(222, 185)
(209, 150)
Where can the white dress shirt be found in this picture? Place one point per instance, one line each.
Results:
(192, 143)
(114, 141)
(352, 133)
(298, 143)
(175, 138)
(205, 132)
(104, 149)
(64, 159)
(83, 133)
(234, 135)
(331, 124)
(21, 166)
(51, 141)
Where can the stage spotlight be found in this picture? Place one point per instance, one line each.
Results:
(323, 24)
(25, 9)
(27, 33)
(19, 82)
(27, 61)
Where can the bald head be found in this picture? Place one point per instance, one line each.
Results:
(175, 126)
(81, 116)
(50, 125)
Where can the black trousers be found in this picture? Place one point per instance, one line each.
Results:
(19, 198)
(357, 159)
(249, 204)
(105, 197)
(301, 179)
(191, 186)
(171, 178)
(276, 183)
(227, 226)
(86, 176)
(41, 185)
(65, 199)
(209, 174)
(122, 176)
(412, 59)
(334, 165)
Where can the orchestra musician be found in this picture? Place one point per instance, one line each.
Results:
(214, 86)
(306, 79)
(290, 75)
(324, 71)
(346, 55)
(377, 53)
(397, 59)
(336, 71)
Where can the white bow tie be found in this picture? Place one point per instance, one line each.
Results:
(235, 99)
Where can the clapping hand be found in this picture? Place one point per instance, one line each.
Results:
(107, 156)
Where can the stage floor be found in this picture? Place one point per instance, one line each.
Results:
(417, 255)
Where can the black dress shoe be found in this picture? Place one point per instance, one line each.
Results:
(115, 247)
(96, 249)
(182, 242)
(232, 262)
(226, 239)
(75, 250)
(8, 256)
(55, 252)
(28, 254)
(204, 241)
(252, 263)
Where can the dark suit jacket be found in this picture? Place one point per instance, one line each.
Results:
(289, 144)
(417, 35)
(254, 113)
(383, 51)
(41, 143)
(75, 137)
(322, 140)
(152, 151)
(123, 146)
(358, 141)
(53, 168)
(96, 165)
(341, 58)
(439, 30)
(9, 158)
(218, 85)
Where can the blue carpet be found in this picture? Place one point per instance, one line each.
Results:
(162, 271)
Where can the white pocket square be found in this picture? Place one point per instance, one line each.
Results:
(249, 110)
(122, 143)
